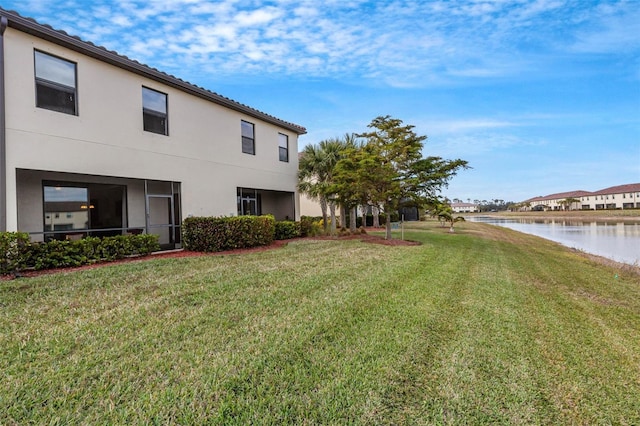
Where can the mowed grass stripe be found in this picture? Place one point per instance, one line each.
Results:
(462, 329)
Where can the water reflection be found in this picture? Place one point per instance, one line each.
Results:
(619, 241)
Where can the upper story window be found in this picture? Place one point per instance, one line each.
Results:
(154, 111)
(248, 137)
(283, 148)
(55, 83)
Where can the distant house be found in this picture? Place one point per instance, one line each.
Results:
(464, 208)
(94, 143)
(555, 201)
(615, 197)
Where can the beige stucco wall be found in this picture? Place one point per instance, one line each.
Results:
(309, 207)
(619, 199)
(202, 152)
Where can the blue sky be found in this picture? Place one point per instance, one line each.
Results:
(539, 96)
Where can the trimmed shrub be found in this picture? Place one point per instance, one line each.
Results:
(309, 227)
(62, 253)
(119, 246)
(287, 229)
(14, 251)
(19, 253)
(210, 234)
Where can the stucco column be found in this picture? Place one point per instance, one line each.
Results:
(3, 134)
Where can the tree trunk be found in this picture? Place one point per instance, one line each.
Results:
(323, 208)
(364, 215)
(352, 219)
(388, 227)
(343, 217)
(376, 216)
(332, 209)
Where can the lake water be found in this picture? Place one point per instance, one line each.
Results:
(619, 241)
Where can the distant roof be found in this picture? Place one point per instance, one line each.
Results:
(561, 196)
(463, 205)
(628, 188)
(61, 38)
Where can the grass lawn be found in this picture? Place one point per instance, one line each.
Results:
(484, 326)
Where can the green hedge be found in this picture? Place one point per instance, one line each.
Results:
(14, 251)
(210, 234)
(287, 229)
(17, 253)
(309, 226)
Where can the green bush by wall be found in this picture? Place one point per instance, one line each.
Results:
(211, 234)
(287, 229)
(18, 253)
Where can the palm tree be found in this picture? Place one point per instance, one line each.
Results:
(439, 210)
(310, 178)
(448, 217)
(444, 213)
(315, 175)
(568, 202)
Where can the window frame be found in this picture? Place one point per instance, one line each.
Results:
(155, 113)
(251, 198)
(55, 85)
(251, 138)
(283, 149)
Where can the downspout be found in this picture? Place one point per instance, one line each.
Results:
(3, 133)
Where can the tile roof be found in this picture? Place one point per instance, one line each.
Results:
(619, 189)
(560, 196)
(59, 37)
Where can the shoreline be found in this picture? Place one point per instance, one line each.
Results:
(585, 215)
(578, 216)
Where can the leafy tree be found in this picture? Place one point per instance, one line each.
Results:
(388, 168)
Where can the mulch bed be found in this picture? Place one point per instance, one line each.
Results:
(175, 254)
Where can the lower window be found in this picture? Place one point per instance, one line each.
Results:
(249, 202)
(75, 210)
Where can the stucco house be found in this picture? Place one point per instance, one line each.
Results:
(94, 143)
(464, 208)
(556, 201)
(615, 197)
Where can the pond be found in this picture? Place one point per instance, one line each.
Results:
(619, 241)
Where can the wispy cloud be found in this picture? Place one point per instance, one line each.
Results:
(477, 145)
(398, 43)
(467, 125)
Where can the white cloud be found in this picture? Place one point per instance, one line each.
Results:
(402, 44)
(257, 17)
(121, 20)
